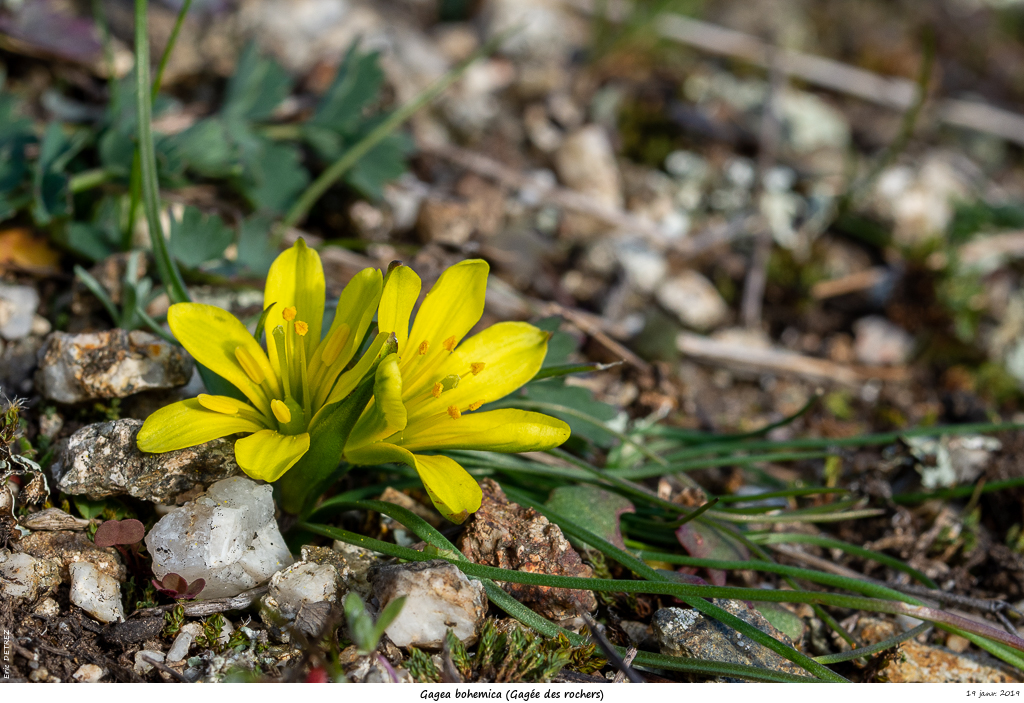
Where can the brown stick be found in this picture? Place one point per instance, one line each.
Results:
(782, 361)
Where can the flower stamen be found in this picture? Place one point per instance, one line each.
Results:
(453, 411)
(283, 360)
(249, 365)
(424, 346)
(449, 343)
(281, 411)
(289, 313)
(301, 328)
(476, 405)
(436, 391)
(335, 343)
(217, 404)
(476, 367)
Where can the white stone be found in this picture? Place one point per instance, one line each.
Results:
(536, 29)
(89, 673)
(47, 607)
(694, 300)
(645, 269)
(879, 342)
(586, 162)
(304, 582)
(25, 576)
(18, 305)
(142, 666)
(179, 649)
(439, 597)
(227, 536)
(96, 592)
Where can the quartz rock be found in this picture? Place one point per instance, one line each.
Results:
(688, 633)
(96, 592)
(143, 667)
(18, 305)
(305, 592)
(179, 650)
(25, 576)
(694, 300)
(878, 342)
(114, 364)
(439, 597)
(103, 459)
(89, 673)
(227, 536)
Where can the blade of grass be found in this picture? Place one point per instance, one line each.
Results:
(643, 571)
(572, 412)
(169, 274)
(432, 536)
(171, 41)
(660, 470)
(568, 369)
(875, 648)
(957, 491)
(797, 517)
(830, 543)
(547, 628)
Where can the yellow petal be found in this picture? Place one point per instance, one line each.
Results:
(356, 306)
(453, 491)
(296, 279)
(451, 308)
(506, 430)
(385, 414)
(400, 295)
(510, 354)
(348, 381)
(211, 336)
(186, 424)
(267, 455)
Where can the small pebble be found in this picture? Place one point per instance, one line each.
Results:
(88, 673)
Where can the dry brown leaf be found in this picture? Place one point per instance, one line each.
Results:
(21, 251)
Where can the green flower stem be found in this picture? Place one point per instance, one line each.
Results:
(169, 274)
(350, 158)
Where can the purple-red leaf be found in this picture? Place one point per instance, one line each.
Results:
(706, 542)
(114, 532)
(195, 588)
(174, 586)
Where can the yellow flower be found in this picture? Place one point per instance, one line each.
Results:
(291, 386)
(426, 395)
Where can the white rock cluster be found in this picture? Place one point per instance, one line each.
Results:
(438, 596)
(95, 592)
(227, 536)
